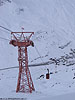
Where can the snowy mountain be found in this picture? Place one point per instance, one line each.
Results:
(53, 24)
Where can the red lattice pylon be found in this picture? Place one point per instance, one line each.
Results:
(25, 83)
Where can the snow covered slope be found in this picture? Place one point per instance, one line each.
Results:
(53, 22)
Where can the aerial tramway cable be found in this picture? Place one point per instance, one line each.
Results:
(5, 28)
(39, 55)
(33, 65)
(4, 39)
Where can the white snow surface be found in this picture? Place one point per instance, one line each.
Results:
(53, 23)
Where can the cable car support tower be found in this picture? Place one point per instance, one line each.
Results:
(19, 39)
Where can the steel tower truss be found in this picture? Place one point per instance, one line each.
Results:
(25, 83)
